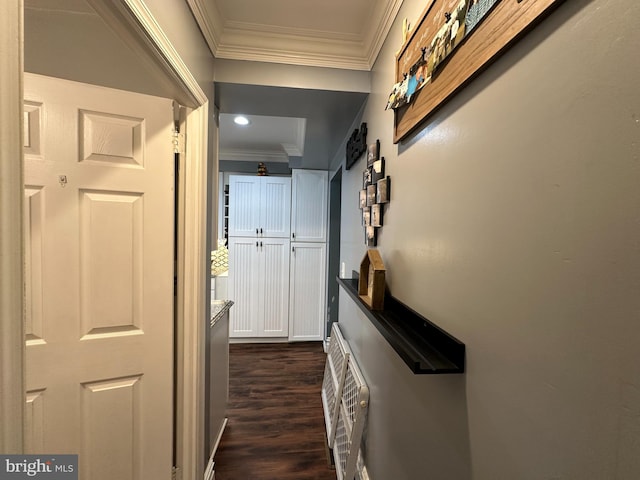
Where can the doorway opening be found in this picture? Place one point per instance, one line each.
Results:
(333, 270)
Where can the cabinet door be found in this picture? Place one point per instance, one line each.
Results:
(308, 291)
(243, 286)
(309, 206)
(275, 207)
(244, 206)
(273, 256)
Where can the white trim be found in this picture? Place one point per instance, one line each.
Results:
(192, 285)
(204, 18)
(209, 473)
(380, 32)
(263, 43)
(12, 386)
(236, 154)
(271, 54)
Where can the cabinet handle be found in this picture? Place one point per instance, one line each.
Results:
(256, 244)
(261, 231)
(260, 245)
(293, 249)
(293, 235)
(256, 231)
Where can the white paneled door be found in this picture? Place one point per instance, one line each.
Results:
(99, 247)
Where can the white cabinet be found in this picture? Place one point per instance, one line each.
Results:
(259, 287)
(307, 299)
(277, 274)
(309, 206)
(259, 206)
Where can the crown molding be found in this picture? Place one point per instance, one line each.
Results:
(292, 150)
(293, 57)
(381, 30)
(209, 22)
(253, 155)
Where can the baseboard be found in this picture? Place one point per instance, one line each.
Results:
(209, 473)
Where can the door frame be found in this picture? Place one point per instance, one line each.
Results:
(333, 249)
(12, 384)
(133, 17)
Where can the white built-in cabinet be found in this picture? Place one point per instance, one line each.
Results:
(259, 206)
(277, 255)
(259, 287)
(307, 297)
(309, 206)
(308, 282)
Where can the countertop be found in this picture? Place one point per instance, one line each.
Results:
(218, 309)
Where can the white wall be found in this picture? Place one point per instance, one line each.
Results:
(514, 224)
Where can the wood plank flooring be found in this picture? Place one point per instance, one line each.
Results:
(276, 427)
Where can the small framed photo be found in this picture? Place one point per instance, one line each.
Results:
(376, 215)
(363, 199)
(371, 236)
(366, 217)
(383, 190)
(373, 152)
(377, 170)
(371, 195)
(367, 177)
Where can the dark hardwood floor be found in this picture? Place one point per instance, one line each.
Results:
(276, 427)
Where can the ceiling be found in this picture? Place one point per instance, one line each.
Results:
(318, 119)
(69, 39)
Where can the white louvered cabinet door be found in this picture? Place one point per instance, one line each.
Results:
(243, 286)
(244, 201)
(309, 206)
(273, 257)
(307, 304)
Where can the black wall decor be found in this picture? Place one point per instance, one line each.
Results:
(356, 145)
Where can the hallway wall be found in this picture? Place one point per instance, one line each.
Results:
(513, 225)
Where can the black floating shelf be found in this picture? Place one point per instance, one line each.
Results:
(424, 347)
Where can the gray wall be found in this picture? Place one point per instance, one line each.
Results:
(514, 224)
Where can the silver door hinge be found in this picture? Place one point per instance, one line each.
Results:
(176, 473)
(178, 142)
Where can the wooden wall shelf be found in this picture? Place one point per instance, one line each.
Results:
(423, 346)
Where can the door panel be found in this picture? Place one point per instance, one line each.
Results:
(243, 285)
(244, 199)
(274, 257)
(308, 287)
(309, 206)
(99, 242)
(276, 207)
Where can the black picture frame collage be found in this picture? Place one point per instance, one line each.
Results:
(376, 187)
(375, 193)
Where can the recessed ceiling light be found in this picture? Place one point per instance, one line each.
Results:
(241, 120)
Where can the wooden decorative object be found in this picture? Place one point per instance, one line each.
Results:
(502, 26)
(371, 285)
